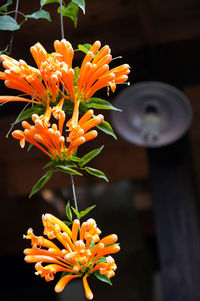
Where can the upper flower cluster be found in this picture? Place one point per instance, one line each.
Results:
(54, 70)
(61, 92)
(83, 252)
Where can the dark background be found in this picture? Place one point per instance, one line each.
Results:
(160, 40)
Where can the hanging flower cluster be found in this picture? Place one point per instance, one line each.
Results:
(62, 114)
(83, 253)
(50, 138)
(59, 94)
(55, 70)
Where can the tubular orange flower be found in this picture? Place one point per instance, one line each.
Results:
(44, 84)
(78, 258)
(95, 73)
(50, 138)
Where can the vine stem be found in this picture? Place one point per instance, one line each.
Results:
(61, 21)
(71, 176)
(12, 36)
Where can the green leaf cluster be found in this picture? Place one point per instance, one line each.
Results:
(9, 23)
(103, 278)
(70, 210)
(69, 10)
(70, 167)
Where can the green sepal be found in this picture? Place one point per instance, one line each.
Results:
(68, 211)
(8, 23)
(96, 173)
(40, 14)
(98, 103)
(49, 164)
(101, 259)
(44, 2)
(68, 170)
(76, 75)
(26, 114)
(68, 107)
(84, 47)
(65, 274)
(71, 11)
(81, 4)
(29, 147)
(3, 8)
(41, 182)
(89, 156)
(92, 244)
(103, 278)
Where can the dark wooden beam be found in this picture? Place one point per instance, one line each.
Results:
(177, 220)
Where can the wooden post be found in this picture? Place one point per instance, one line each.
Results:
(177, 220)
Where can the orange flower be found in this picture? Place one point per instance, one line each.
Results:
(78, 258)
(95, 73)
(50, 138)
(44, 84)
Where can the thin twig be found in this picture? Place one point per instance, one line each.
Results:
(74, 193)
(12, 36)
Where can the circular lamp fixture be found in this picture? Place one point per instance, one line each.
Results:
(153, 114)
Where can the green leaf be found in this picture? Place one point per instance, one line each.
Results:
(67, 223)
(103, 278)
(40, 14)
(89, 156)
(68, 211)
(68, 170)
(76, 212)
(98, 103)
(84, 48)
(28, 113)
(96, 173)
(42, 182)
(86, 211)
(81, 4)
(44, 2)
(75, 159)
(49, 164)
(71, 11)
(8, 23)
(106, 128)
(101, 259)
(3, 8)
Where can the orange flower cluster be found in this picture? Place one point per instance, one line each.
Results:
(50, 138)
(80, 257)
(55, 70)
(45, 86)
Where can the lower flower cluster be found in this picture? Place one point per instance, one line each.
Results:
(83, 253)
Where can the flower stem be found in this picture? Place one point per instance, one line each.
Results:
(74, 193)
(61, 21)
(62, 36)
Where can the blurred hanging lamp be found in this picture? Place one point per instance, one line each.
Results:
(153, 114)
